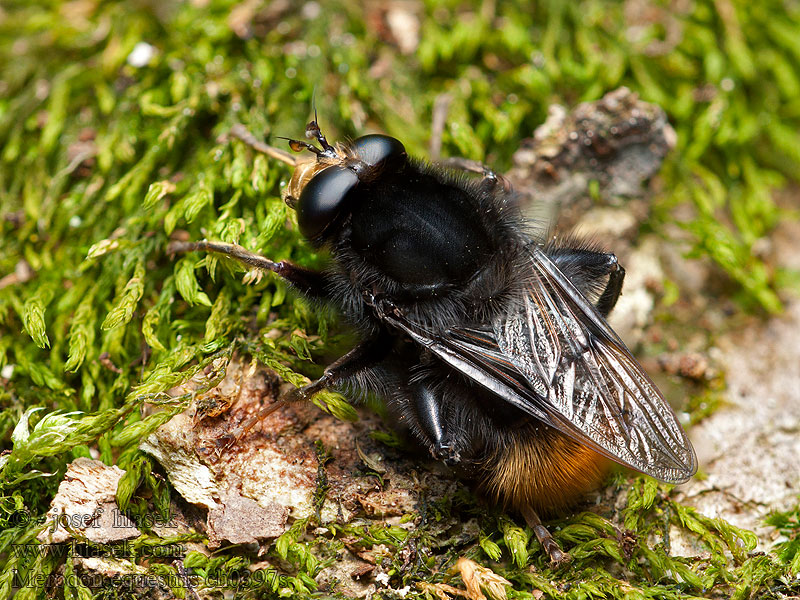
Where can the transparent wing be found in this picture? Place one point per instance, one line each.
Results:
(556, 358)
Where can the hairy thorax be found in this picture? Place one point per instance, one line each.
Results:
(415, 240)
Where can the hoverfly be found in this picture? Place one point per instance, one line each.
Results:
(489, 345)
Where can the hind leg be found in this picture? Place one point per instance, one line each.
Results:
(549, 544)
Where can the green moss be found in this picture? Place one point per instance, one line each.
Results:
(101, 162)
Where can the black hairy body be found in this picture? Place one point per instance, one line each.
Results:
(461, 262)
(467, 267)
(486, 343)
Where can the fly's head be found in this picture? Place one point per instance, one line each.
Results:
(321, 187)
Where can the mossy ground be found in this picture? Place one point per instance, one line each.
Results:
(101, 161)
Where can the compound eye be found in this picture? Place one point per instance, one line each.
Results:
(376, 148)
(323, 198)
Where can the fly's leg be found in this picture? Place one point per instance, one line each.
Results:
(595, 274)
(429, 414)
(549, 544)
(441, 106)
(616, 277)
(311, 283)
(426, 406)
(365, 355)
(490, 179)
(468, 165)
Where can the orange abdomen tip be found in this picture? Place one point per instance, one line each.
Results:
(544, 470)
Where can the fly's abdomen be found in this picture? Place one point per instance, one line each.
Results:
(543, 469)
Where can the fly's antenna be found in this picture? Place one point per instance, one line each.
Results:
(314, 102)
(313, 131)
(300, 145)
(240, 132)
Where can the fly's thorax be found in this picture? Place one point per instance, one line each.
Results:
(419, 230)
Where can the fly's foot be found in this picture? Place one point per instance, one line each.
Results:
(557, 556)
(382, 305)
(305, 393)
(226, 441)
(446, 453)
(212, 450)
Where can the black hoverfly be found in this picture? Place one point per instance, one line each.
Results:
(488, 344)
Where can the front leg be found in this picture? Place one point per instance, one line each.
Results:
(313, 284)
